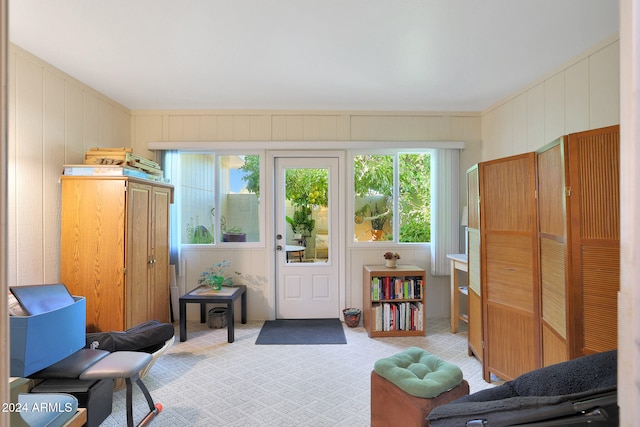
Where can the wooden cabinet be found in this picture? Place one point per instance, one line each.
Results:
(115, 249)
(546, 253)
(394, 300)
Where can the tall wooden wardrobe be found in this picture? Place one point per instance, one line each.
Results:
(549, 253)
(115, 249)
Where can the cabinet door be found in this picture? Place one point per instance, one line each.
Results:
(594, 166)
(474, 299)
(139, 261)
(509, 259)
(552, 240)
(159, 284)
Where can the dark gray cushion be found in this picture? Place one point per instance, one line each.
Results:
(548, 391)
(121, 364)
(72, 366)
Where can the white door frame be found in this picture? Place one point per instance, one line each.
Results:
(270, 232)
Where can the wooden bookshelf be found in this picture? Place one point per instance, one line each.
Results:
(380, 321)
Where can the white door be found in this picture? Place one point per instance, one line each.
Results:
(306, 238)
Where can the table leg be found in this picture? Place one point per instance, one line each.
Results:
(203, 312)
(230, 328)
(183, 321)
(243, 307)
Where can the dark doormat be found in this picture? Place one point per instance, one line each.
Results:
(301, 332)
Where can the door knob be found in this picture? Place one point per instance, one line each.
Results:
(279, 236)
(279, 248)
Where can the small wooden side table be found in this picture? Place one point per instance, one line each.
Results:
(459, 262)
(203, 296)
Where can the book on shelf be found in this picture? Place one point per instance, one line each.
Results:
(398, 316)
(389, 288)
(375, 289)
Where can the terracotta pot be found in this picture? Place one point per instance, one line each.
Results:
(377, 235)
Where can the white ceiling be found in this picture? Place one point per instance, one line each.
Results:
(455, 55)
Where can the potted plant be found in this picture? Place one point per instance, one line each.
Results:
(302, 223)
(376, 217)
(216, 276)
(234, 234)
(305, 189)
(198, 234)
(390, 259)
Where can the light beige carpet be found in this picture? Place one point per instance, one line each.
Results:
(206, 381)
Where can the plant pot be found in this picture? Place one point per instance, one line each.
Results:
(215, 283)
(377, 235)
(234, 237)
(352, 317)
(391, 263)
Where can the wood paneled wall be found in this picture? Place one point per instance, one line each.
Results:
(580, 95)
(273, 125)
(53, 119)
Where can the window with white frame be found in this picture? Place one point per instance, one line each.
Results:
(220, 198)
(392, 197)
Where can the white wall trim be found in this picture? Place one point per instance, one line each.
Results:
(298, 145)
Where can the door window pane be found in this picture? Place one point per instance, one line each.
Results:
(307, 213)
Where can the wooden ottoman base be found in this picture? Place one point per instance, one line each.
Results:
(391, 406)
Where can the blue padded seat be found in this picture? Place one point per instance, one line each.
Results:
(419, 373)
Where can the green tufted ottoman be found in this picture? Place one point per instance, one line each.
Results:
(405, 387)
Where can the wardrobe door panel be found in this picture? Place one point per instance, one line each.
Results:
(601, 273)
(552, 269)
(474, 298)
(509, 269)
(554, 349)
(159, 287)
(594, 165)
(552, 241)
(509, 344)
(138, 254)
